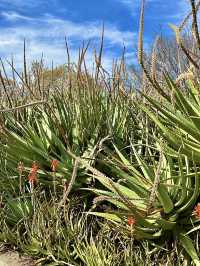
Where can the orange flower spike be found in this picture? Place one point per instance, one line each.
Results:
(54, 165)
(131, 220)
(34, 168)
(196, 211)
(32, 177)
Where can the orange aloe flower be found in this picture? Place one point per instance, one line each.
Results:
(32, 177)
(196, 211)
(131, 220)
(54, 165)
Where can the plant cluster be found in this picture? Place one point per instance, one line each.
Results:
(96, 172)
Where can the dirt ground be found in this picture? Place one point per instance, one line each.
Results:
(11, 258)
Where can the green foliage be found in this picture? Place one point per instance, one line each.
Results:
(147, 209)
(80, 123)
(159, 196)
(65, 235)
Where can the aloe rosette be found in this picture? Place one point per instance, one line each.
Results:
(152, 201)
(174, 190)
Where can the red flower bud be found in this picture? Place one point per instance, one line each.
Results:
(131, 220)
(196, 211)
(32, 177)
(54, 165)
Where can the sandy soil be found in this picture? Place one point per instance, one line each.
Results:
(11, 258)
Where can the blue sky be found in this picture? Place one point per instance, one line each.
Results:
(45, 23)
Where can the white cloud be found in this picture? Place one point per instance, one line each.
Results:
(46, 35)
(12, 16)
(49, 26)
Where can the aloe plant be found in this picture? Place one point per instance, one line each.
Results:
(153, 200)
(16, 210)
(80, 122)
(177, 119)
